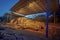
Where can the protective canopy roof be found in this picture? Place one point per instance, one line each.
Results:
(34, 6)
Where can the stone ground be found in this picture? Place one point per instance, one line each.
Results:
(12, 34)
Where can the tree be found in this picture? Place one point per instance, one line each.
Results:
(40, 18)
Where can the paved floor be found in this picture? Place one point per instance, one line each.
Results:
(11, 34)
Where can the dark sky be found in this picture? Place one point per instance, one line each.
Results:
(5, 6)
